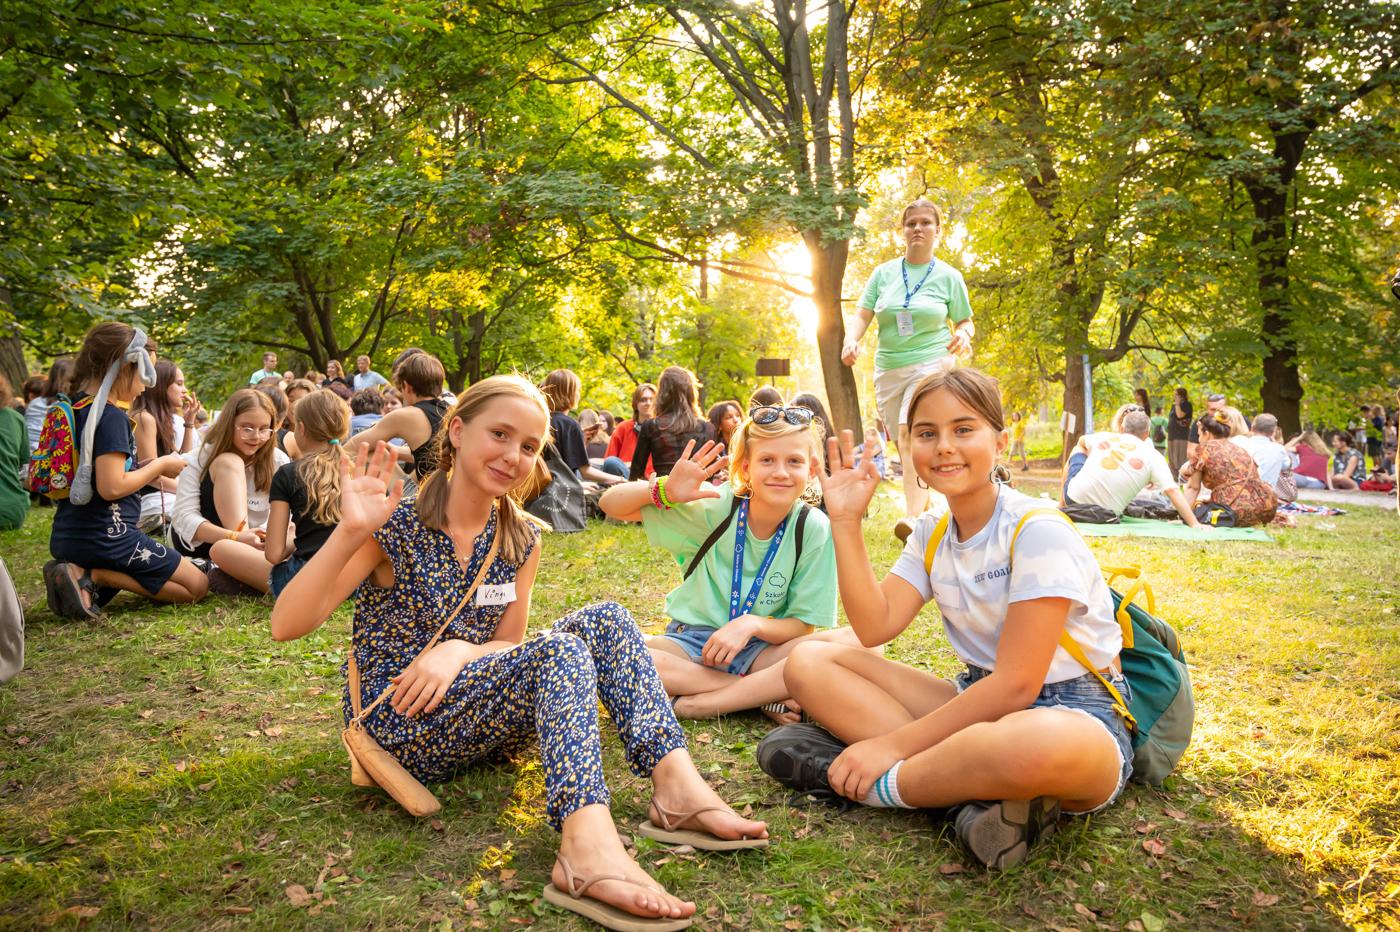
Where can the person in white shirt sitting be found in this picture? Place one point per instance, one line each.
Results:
(1269, 455)
(1110, 469)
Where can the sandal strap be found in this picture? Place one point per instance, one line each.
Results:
(579, 886)
(670, 820)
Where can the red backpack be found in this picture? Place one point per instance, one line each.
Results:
(54, 462)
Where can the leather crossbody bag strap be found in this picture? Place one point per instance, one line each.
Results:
(353, 671)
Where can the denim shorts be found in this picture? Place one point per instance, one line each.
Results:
(692, 639)
(283, 572)
(1087, 696)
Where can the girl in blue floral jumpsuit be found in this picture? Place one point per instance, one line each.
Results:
(484, 689)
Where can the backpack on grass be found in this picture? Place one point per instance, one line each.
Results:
(54, 463)
(1163, 710)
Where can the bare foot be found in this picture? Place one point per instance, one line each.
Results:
(680, 788)
(593, 854)
(691, 707)
(791, 716)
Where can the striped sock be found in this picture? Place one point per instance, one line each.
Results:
(885, 792)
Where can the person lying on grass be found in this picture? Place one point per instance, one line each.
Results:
(750, 597)
(485, 689)
(1025, 731)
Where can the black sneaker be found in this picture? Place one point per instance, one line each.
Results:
(1001, 834)
(798, 756)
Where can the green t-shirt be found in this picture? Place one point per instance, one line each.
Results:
(14, 452)
(806, 591)
(1159, 420)
(942, 298)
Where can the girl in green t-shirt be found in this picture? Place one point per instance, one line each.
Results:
(759, 568)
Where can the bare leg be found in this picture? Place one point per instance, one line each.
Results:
(243, 562)
(188, 584)
(1035, 752)
(764, 684)
(858, 694)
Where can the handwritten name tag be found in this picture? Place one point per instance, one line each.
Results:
(502, 594)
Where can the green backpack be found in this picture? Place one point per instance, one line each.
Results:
(1162, 710)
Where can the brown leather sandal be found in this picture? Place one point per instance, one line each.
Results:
(605, 914)
(669, 831)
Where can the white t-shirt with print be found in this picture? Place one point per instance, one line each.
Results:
(1118, 467)
(974, 581)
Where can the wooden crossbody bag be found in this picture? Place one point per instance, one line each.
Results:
(370, 764)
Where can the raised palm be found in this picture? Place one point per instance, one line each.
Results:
(848, 489)
(369, 491)
(688, 479)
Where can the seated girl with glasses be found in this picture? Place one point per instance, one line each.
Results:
(222, 504)
(758, 568)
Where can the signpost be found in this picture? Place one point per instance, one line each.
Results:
(772, 368)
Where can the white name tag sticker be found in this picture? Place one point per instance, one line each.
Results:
(948, 595)
(502, 594)
(905, 321)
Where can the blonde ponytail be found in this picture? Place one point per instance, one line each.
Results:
(324, 418)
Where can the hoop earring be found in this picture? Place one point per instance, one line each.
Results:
(919, 481)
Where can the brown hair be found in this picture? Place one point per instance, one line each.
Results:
(637, 397)
(324, 418)
(923, 203)
(7, 394)
(676, 399)
(561, 390)
(278, 398)
(33, 388)
(156, 402)
(103, 345)
(422, 373)
(220, 439)
(765, 395)
(718, 413)
(60, 379)
(515, 526)
(1216, 423)
(367, 401)
(975, 389)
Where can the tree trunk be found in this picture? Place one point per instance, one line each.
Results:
(828, 268)
(1282, 392)
(12, 365)
(1073, 396)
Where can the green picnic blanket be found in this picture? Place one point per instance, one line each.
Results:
(1147, 527)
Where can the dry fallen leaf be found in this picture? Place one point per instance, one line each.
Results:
(950, 868)
(1084, 911)
(147, 713)
(274, 732)
(1265, 899)
(704, 738)
(1154, 847)
(298, 896)
(237, 910)
(1176, 814)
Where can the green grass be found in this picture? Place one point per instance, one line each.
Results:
(174, 768)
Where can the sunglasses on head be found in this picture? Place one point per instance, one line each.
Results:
(769, 414)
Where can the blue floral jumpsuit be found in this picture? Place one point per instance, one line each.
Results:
(546, 687)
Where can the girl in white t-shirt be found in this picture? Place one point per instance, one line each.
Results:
(1025, 726)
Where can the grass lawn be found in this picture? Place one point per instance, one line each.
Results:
(174, 768)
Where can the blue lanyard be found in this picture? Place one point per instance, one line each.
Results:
(904, 272)
(741, 536)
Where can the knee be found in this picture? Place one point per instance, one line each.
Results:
(806, 666)
(196, 583)
(562, 650)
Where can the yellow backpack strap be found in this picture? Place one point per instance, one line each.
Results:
(1070, 645)
(1072, 648)
(934, 539)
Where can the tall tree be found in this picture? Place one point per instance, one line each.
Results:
(757, 104)
(1264, 90)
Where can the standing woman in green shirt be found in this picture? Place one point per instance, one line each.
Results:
(924, 323)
